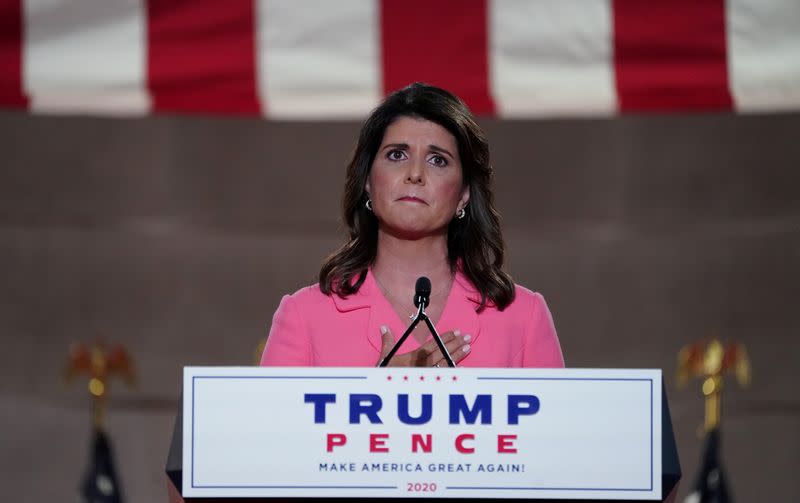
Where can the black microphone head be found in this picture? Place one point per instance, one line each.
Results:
(422, 291)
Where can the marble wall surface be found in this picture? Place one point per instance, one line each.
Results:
(178, 236)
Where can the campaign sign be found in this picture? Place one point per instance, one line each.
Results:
(422, 432)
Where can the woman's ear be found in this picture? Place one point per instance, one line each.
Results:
(462, 203)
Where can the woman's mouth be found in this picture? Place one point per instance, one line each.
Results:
(412, 199)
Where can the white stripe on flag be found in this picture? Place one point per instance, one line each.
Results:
(764, 54)
(552, 57)
(318, 59)
(85, 56)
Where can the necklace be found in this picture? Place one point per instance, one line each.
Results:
(395, 300)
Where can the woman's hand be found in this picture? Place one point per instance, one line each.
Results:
(428, 355)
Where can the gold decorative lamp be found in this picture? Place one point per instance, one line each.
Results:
(710, 360)
(99, 364)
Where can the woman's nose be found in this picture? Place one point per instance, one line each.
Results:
(416, 173)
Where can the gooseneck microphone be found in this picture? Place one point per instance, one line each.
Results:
(422, 291)
(422, 297)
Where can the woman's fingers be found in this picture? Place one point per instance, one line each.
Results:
(447, 338)
(387, 341)
(459, 351)
(457, 345)
(428, 355)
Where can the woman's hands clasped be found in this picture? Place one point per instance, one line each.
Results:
(427, 355)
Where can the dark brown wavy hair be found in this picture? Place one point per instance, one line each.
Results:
(474, 243)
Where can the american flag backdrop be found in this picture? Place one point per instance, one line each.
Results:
(322, 59)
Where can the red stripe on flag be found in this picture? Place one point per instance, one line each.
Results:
(201, 56)
(444, 43)
(671, 55)
(12, 93)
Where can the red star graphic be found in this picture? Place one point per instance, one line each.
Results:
(455, 378)
(405, 378)
(438, 378)
(388, 378)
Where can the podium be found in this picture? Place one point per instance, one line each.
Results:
(268, 434)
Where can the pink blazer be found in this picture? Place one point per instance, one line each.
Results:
(313, 329)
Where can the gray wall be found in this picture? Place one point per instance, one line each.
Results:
(177, 237)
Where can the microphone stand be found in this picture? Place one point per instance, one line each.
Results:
(420, 316)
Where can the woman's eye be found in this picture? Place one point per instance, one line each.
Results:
(438, 161)
(396, 155)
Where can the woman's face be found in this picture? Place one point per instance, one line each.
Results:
(415, 183)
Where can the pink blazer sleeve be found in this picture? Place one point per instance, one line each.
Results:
(289, 343)
(542, 348)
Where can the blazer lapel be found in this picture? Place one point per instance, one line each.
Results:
(459, 312)
(367, 297)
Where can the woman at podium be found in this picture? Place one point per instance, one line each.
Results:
(417, 202)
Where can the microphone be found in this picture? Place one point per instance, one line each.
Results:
(422, 292)
(422, 297)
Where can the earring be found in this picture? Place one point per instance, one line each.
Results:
(460, 213)
(368, 204)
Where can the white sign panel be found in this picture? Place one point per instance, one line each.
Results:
(412, 432)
